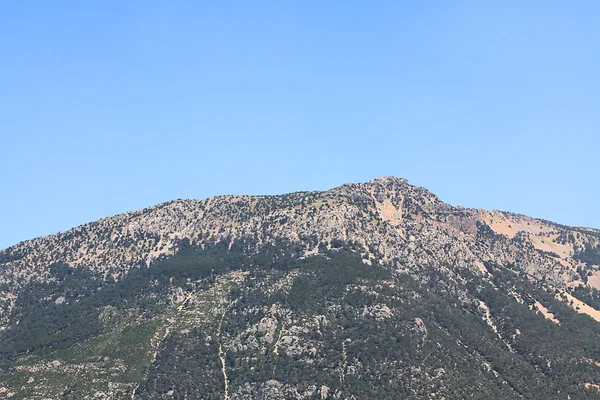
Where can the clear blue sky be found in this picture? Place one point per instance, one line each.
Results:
(112, 106)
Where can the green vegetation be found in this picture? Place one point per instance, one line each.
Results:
(588, 295)
(326, 320)
(590, 255)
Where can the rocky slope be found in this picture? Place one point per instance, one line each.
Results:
(388, 224)
(395, 222)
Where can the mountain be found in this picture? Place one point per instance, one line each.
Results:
(366, 291)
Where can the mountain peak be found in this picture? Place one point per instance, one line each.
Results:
(248, 293)
(388, 179)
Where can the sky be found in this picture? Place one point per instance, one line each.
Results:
(112, 106)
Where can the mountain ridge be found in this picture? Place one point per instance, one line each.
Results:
(164, 224)
(591, 229)
(366, 290)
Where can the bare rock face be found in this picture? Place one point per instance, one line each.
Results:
(388, 219)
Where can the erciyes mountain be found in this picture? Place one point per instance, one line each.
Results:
(367, 291)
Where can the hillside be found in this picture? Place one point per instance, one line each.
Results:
(374, 290)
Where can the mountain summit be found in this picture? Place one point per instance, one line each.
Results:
(370, 290)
